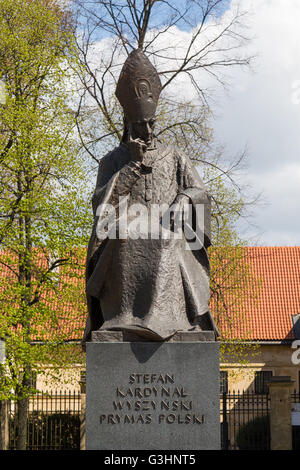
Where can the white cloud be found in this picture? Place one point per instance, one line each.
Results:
(263, 111)
(278, 219)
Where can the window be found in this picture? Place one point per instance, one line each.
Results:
(261, 381)
(33, 379)
(82, 381)
(223, 381)
(83, 376)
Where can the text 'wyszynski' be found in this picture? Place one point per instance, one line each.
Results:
(154, 222)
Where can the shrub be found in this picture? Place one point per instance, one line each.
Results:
(254, 435)
(53, 431)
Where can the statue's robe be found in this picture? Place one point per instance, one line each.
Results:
(154, 287)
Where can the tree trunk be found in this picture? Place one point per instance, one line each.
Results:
(4, 438)
(23, 406)
(24, 280)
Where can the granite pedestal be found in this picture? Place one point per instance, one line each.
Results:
(152, 396)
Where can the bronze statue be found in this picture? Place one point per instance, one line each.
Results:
(153, 286)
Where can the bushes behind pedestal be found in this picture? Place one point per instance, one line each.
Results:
(53, 431)
(254, 435)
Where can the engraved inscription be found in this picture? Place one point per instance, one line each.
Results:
(149, 398)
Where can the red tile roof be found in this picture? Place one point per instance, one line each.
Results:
(66, 299)
(268, 318)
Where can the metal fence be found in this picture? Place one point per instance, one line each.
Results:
(245, 421)
(53, 422)
(295, 397)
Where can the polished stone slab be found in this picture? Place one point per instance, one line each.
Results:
(152, 396)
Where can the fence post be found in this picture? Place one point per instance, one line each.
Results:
(280, 388)
(82, 410)
(225, 440)
(4, 429)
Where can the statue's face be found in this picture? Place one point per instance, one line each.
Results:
(143, 130)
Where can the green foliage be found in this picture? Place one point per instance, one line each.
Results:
(254, 435)
(45, 214)
(233, 282)
(186, 125)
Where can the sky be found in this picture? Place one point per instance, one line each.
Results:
(262, 111)
(259, 110)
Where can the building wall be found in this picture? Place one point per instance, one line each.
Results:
(241, 369)
(65, 380)
(273, 357)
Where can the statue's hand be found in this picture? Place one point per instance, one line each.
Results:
(137, 149)
(178, 206)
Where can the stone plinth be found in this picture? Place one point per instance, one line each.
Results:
(129, 336)
(152, 396)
